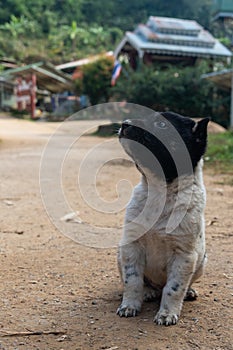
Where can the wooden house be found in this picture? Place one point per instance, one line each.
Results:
(173, 40)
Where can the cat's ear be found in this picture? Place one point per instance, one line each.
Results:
(200, 129)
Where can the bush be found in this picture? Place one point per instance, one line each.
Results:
(180, 89)
(96, 80)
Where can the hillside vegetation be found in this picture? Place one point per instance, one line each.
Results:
(62, 30)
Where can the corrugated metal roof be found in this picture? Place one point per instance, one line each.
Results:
(174, 36)
(83, 61)
(48, 78)
(169, 24)
(218, 50)
(222, 78)
(203, 38)
(223, 15)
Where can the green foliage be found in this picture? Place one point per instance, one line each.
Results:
(225, 41)
(219, 153)
(73, 29)
(18, 26)
(96, 80)
(126, 14)
(180, 89)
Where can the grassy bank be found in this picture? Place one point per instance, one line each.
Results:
(219, 155)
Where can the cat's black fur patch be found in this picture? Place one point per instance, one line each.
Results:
(176, 142)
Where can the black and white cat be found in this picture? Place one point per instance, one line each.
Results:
(162, 251)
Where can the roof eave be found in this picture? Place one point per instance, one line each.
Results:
(222, 78)
(47, 76)
(142, 47)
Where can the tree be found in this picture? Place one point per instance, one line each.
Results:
(96, 81)
(74, 32)
(72, 29)
(18, 26)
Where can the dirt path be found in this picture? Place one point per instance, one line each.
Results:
(63, 294)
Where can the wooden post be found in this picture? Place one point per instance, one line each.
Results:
(2, 93)
(33, 96)
(19, 94)
(140, 59)
(231, 115)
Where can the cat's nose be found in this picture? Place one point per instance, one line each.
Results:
(129, 125)
(126, 124)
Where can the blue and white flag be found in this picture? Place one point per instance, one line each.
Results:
(116, 72)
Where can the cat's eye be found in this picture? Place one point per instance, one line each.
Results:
(161, 124)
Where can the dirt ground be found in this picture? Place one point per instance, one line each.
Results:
(58, 294)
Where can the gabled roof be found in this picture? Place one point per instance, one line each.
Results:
(223, 15)
(173, 36)
(222, 9)
(174, 25)
(48, 77)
